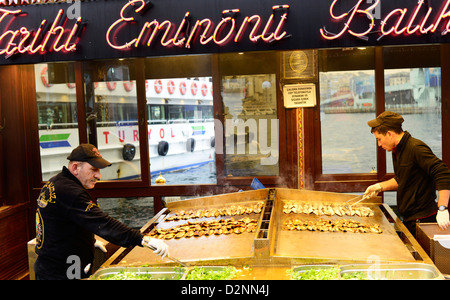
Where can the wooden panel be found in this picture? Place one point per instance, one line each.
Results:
(17, 214)
(14, 238)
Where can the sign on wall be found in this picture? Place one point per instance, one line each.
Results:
(108, 29)
(299, 95)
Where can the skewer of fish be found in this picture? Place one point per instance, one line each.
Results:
(341, 225)
(320, 209)
(232, 210)
(206, 228)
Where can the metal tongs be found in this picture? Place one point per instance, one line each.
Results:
(362, 199)
(169, 257)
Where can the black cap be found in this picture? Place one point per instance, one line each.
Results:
(387, 118)
(88, 153)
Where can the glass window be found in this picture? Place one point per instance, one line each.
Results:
(412, 83)
(415, 93)
(250, 125)
(57, 115)
(347, 102)
(134, 212)
(181, 141)
(112, 118)
(180, 125)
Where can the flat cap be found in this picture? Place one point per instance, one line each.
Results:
(387, 118)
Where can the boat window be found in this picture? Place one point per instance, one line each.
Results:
(112, 116)
(57, 115)
(347, 102)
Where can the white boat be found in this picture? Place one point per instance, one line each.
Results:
(180, 124)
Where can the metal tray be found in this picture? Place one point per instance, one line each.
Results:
(155, 273)
(391, 271)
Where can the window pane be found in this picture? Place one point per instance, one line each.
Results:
(57, 115)
(181, 130)
(134, 212)
(416, 94)
(347, 102)
(112, 119)
(251, 125)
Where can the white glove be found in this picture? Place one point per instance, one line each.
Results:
(442, 219)
(159, 247)
(100, 245)
(372, 190)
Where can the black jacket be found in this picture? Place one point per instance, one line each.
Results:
(67, 220)
(418, 173)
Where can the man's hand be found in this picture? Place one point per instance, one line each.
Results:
(442, 219)
(158, 246)
(372, 190)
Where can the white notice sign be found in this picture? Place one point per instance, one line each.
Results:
(299, 95)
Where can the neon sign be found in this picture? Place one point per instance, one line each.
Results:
(395, 23)
(24, 40)
(204, 31)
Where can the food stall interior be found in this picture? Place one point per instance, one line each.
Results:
(270, 232)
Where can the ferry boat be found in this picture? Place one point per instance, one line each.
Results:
(180, 124)
(406, 91)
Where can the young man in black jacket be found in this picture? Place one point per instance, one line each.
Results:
(418, 174)
(67, 219)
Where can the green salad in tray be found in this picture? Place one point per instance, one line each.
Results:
(139, 273)
(212, 273)
(315, 274)
(124, 275)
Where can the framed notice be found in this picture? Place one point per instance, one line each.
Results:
(299, 95)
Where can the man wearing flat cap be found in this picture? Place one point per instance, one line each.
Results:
(418, 174)
(67, 219)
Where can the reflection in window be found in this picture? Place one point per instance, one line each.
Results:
(181, 130)
(250, 125)
(134, 212)
(416, 94)
(112, 118)
(57, 115)
(347, 102)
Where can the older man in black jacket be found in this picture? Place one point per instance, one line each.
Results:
(418, 174)
(67, 219)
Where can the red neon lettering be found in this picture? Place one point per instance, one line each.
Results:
(444, 14)
(394, 29)
(412, 20)
(355, 10)
(204, 31)
(219, 29)
(119, 21)
(24, 40)
(395, 22)
(168, 29)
